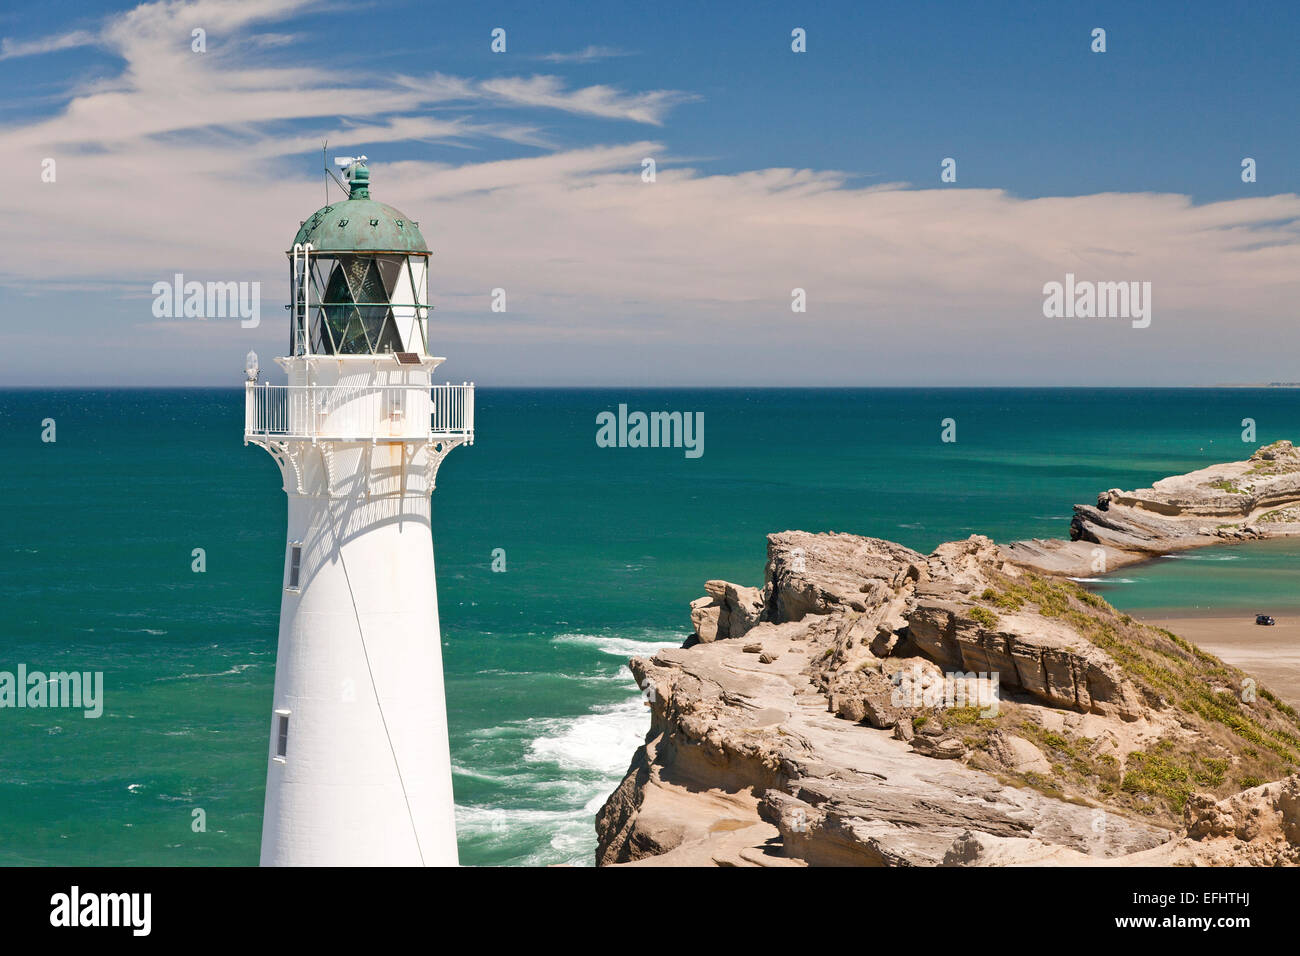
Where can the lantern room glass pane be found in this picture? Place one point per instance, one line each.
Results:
(355, 313)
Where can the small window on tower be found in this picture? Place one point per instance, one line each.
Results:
(295, 565)
(282, 736)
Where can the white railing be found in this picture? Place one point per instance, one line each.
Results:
(359, 412)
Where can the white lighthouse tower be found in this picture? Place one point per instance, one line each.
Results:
(359, 769)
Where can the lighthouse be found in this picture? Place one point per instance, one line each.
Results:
(358, 765)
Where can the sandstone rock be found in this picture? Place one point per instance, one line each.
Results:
(1069, 558)
(963, 565)
(821, 573)
(941, 748)
(615, 821)
(1288, 806)
(849, 706)
(745, 608)
(719, 731)
(705, 614)
(1270, 812)
(1017, 754)
(869, 696)
(885, 641)
(727, 610)
(1279, 450)
(753, 648)
(1041, 656)
(974, 848)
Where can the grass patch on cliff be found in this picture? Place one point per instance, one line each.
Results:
(963, 717)
(1002, 599)
(1226, 484)
(1172, 775)
(1228, 738)
(983, 615)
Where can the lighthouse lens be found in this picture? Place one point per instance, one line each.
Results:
(355, 316)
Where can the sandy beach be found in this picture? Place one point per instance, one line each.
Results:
(1272, 654)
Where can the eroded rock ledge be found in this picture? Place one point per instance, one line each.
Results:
(824, 719)
(1237, 501)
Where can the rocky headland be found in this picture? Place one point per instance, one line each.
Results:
(1237, 501)
(871, 705)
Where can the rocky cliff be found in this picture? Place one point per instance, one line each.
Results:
(870, 705)
(1237, 501)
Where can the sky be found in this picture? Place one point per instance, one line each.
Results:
(775, 170)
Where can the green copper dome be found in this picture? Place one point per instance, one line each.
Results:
(360, 224)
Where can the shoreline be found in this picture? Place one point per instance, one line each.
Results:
(1074, 559)
(1271, 654)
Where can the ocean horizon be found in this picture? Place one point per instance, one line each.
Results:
(602, 548)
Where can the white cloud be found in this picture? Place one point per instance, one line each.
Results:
(10, 48)
(588, 54)
(187, 163)
(603, 101)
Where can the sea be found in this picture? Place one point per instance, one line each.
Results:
(557, 560)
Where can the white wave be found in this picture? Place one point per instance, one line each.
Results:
(1105, 580)
(570, 764)
(460, 770)
(616, 677)
(491, 733)
(474, 819)
(237, 669)
(618, 646)
(601, 742)
(561, 836)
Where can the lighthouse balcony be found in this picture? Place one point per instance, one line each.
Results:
(350, 413)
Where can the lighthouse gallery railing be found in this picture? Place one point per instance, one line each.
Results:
(359, 412)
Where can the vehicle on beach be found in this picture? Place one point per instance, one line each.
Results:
(1264, 619)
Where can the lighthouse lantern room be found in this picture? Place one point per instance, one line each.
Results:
(358, 768)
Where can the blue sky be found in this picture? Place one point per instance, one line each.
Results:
(818, 170)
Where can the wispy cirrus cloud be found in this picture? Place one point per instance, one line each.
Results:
(603, 101)
(588, 54)
(166, 88)
(9, 48)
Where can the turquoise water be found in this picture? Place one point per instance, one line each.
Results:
(604, 548)
(1256, 578)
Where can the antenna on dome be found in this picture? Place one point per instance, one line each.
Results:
(329, 173)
